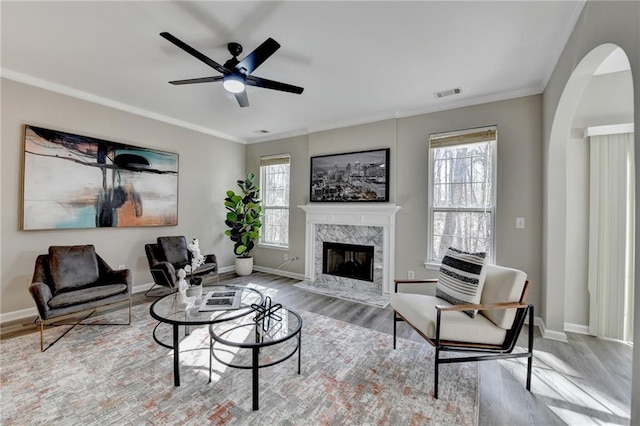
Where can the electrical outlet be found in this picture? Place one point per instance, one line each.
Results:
(520, 222)
(411, 275)
(121, 267)
(286, 256)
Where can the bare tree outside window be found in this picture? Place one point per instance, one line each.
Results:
(462, 194)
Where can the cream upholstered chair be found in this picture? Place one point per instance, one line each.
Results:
(493, 331)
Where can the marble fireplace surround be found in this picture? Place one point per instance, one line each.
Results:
(364, 224)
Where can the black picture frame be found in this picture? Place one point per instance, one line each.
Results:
(361, 176)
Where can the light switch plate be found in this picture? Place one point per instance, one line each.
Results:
(520, 222)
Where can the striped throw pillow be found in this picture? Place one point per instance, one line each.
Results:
(461, 278)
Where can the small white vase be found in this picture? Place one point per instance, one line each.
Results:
(194, 291)
(244, 266)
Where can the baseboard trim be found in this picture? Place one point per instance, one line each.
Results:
(556, 335)
(576, 328)
(537, 322)
(18, 315)
(226, 269)
(141, 287)
(287, 274)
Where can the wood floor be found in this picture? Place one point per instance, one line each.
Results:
(584, 381)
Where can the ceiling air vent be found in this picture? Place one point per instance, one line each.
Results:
(449, 92)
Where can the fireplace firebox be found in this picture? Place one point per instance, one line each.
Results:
(348, 260)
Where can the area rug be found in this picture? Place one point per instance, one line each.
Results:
(119, 375)
(364, 297)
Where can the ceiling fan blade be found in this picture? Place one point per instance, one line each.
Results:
(254, 59)
(242, 98)
(275, 85)
(198, 80)
(193, 52)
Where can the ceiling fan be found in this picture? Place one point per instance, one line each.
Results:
(236, 74)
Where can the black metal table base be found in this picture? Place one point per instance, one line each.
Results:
(255, 362)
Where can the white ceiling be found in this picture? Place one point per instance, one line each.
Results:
(358, 61)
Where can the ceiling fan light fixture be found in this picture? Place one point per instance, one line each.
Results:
(235, 72)
(233, 83)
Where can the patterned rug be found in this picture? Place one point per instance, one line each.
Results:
(119, 375)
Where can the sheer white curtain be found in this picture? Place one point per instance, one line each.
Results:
(611, 236)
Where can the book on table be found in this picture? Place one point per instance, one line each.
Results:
(221, 300)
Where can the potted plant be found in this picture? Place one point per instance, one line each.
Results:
(244, 219)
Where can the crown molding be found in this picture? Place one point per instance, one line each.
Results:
(85, 96)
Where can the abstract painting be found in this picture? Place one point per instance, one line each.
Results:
(73, 181)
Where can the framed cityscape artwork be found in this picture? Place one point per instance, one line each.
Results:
(350, 177)
(73, 181)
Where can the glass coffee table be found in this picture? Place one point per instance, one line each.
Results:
(167, 311)
(272, 339)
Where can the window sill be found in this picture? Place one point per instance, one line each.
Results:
(273, 246)
(432, 266)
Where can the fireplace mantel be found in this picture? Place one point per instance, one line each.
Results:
(366, 214)
(349, 214)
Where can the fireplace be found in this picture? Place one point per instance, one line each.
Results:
(348, 260)
(354, 224)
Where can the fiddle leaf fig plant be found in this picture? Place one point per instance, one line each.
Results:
(244, 216)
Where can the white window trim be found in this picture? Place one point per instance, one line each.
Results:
(268, 244)
(273, 246)
(430, 263)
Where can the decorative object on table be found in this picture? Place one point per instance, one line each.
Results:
(196, 258)
(350, 177)
(183, 301)
(244, 219)
(195, 288)
(172, 253)
(221, 300)
(265, 312)
(73, 181)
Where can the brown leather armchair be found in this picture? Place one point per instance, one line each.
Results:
(169, 255)
(72, 279)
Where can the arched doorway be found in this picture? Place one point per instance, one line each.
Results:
(560, 267)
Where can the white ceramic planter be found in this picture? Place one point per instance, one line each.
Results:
(244, 266)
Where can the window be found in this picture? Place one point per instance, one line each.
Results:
(274, 186)
(462, 192)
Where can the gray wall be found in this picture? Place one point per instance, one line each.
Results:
(519, 179)
(599, 23)
(297, 148)
(208, 167)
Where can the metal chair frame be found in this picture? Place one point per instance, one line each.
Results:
(503, 351)
(54, 322)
